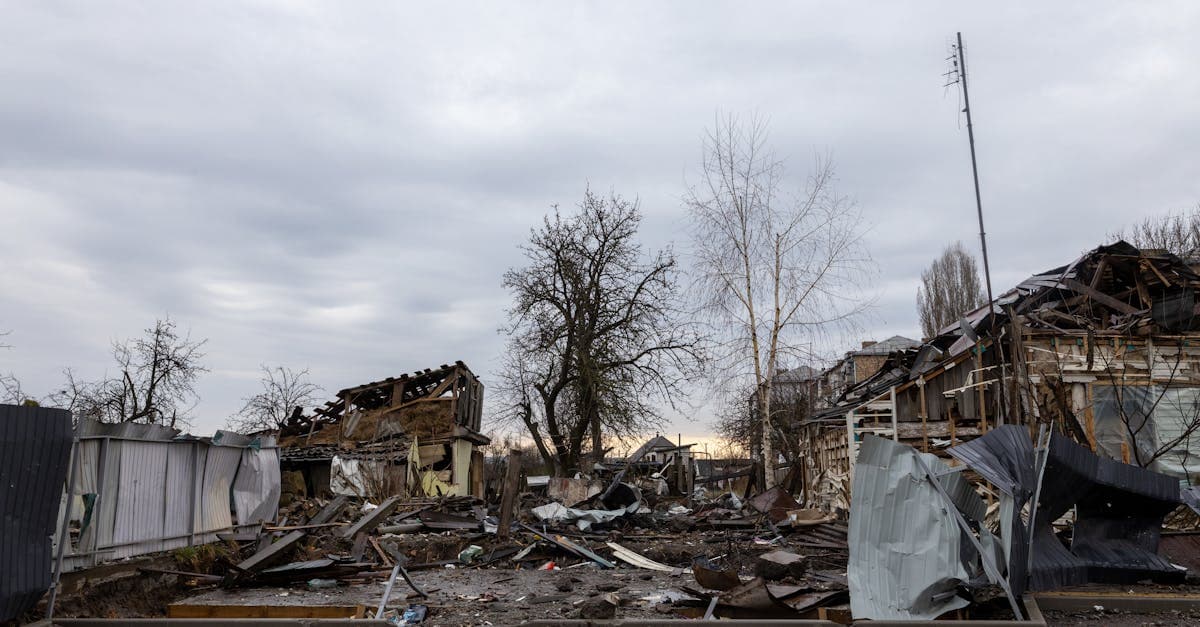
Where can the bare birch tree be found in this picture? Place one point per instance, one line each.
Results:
(775, 271)
(950, 287)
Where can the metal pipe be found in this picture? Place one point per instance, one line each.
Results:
(387, 591)
(63, 535)
(1042, 453)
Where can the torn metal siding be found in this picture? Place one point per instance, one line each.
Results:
(257, 486)
(1119, 512)
(219, 470)
(35, 445)
(154, 494)
(905, 548)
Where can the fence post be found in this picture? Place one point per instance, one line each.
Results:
(512, 481)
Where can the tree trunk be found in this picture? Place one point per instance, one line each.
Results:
(597, 445)
(768, 449)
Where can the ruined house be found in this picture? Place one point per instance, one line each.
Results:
(1104, 349)
(416, 434)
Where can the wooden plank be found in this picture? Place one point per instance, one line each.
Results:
(508, 497)
(185, 610)
(371, 519)
(1098, 296)
(263, 558)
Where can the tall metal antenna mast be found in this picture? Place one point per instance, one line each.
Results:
(960, 74)
(962, 77)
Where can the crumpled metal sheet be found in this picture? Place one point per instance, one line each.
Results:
(1119, 511)
(584, 518)
(257, 486)
(1004, 457)
(907, 552)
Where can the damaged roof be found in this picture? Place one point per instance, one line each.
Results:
(1114, 289)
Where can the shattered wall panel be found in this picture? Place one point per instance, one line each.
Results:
(35, 448)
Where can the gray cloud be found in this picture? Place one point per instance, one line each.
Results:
(341, 188)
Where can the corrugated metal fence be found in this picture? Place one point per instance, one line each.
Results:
(34, 446)
(142, 489)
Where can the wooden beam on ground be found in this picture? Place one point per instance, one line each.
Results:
(276, 550)
(371, 519)
(508, 497)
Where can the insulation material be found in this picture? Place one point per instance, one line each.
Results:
(907, 552)
(346, 476)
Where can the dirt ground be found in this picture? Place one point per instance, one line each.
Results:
(488, 596)
(1113, 618)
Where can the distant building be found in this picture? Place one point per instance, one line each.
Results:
(858, 366)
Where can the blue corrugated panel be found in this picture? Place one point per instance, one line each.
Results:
(35, 448)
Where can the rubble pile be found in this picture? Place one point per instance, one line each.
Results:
(724, 556)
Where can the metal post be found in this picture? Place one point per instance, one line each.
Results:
(64, 537)
(387, 591)
(987, 271)
(1041, 454)
(895, 427)
(195, 493)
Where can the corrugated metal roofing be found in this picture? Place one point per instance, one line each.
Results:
(35, 445)
(257, 486)
(1119, 511)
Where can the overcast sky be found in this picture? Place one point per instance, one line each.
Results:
(341, 187)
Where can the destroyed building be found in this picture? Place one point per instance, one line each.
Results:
(1105, 349)
(416, 434)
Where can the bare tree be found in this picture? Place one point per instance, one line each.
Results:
(155, 384)
(950, 287)
(594, 335)
(773, 273)
(1178, 233)
(10, 390)
(284, 392)
(10, 386)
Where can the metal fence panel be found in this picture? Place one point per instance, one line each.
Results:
(35, 444)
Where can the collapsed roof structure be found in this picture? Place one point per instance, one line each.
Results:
(1105, 349)
(416, 433)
